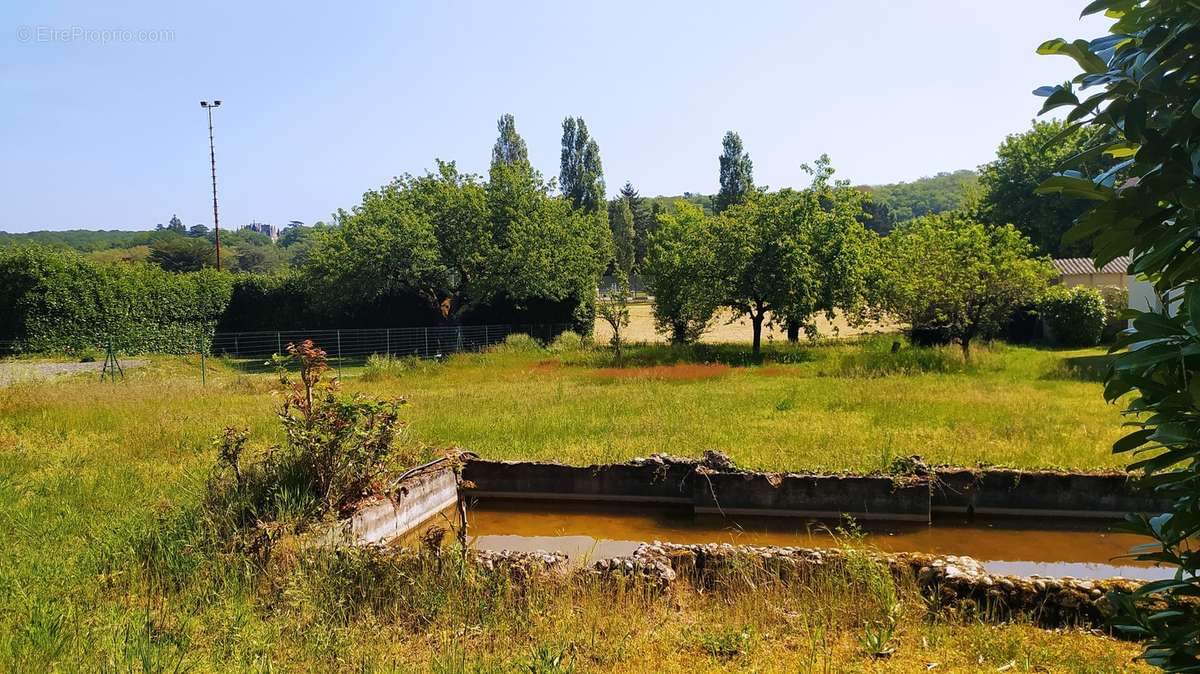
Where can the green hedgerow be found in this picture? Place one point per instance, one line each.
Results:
(1074, 316)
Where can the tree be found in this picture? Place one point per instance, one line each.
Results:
(644, 220)
(550, 250)
(182, 254)
(1023, 162)
(510, 147)
(787, 255)
(680, 270)
(581, 177)
(764, 258)
(457, 243)
(737, 179)
(199, 231)
(1144, 112)
(830, 219)
(951, 273)
(173, 225)
(621, 223)
(390, 244)
(614, 310)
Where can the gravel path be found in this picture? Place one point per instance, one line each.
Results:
(20, 371)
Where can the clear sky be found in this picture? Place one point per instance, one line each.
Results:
(323, 100)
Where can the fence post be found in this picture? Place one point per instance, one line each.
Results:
(388, 342)
(339, 348)
(278, 343)
(203, 366)
(236, 349)
(425, 353)
(486, 342)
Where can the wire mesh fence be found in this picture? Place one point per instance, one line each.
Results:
(347, 350)
(252, 351)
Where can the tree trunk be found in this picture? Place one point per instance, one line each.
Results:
(965, 342)
(757, 320)
(678, 334)
(793, 329)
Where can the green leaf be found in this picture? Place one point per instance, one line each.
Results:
(1132, 441)
(1080, 188)
(1079, 50)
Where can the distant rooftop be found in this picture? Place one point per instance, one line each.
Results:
(1083, 265)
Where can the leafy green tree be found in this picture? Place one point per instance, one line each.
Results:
(389, 244)
(198, 231)
(680, 270)
(1022, 162)
(764, 258)
(182, 254)
(787, 255)
(510, 147)
(623, 234)
(581, 177)
(737, 173)
(550, 250)
(961, 277)
(457, 243)
(1143, 109)
(829, 218)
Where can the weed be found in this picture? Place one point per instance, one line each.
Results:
(726, 644)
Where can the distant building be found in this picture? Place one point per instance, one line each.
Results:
(1081, 271)
(271, 231)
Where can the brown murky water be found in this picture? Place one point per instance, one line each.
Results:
(596, 531)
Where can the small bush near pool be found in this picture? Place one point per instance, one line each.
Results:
(1074, 316)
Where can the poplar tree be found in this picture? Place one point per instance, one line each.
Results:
(510, 147)
(581, 176)
(737, 179)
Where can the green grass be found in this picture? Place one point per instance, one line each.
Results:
(826, 408)
(99, 573)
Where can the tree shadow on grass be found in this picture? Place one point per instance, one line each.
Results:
(733, 355)
(1080, 368)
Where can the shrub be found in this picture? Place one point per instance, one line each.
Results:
(518, 342)
(380, 367)
(337, 450)
(1116, 302)
(567, 342)
(1073, 316)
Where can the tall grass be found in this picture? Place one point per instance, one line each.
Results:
(112, 562)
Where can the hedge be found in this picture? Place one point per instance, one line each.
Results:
(1074, 316)
(59, 301)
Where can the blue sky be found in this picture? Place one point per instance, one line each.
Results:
(325, 100)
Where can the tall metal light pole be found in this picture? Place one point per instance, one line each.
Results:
(212, 156)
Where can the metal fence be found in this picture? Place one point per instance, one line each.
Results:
(348, 349)
(433, 342)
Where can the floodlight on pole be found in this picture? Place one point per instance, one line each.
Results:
(212, 157)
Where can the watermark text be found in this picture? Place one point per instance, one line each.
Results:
(85, 34)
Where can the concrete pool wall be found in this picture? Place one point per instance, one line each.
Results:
(723, 489)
